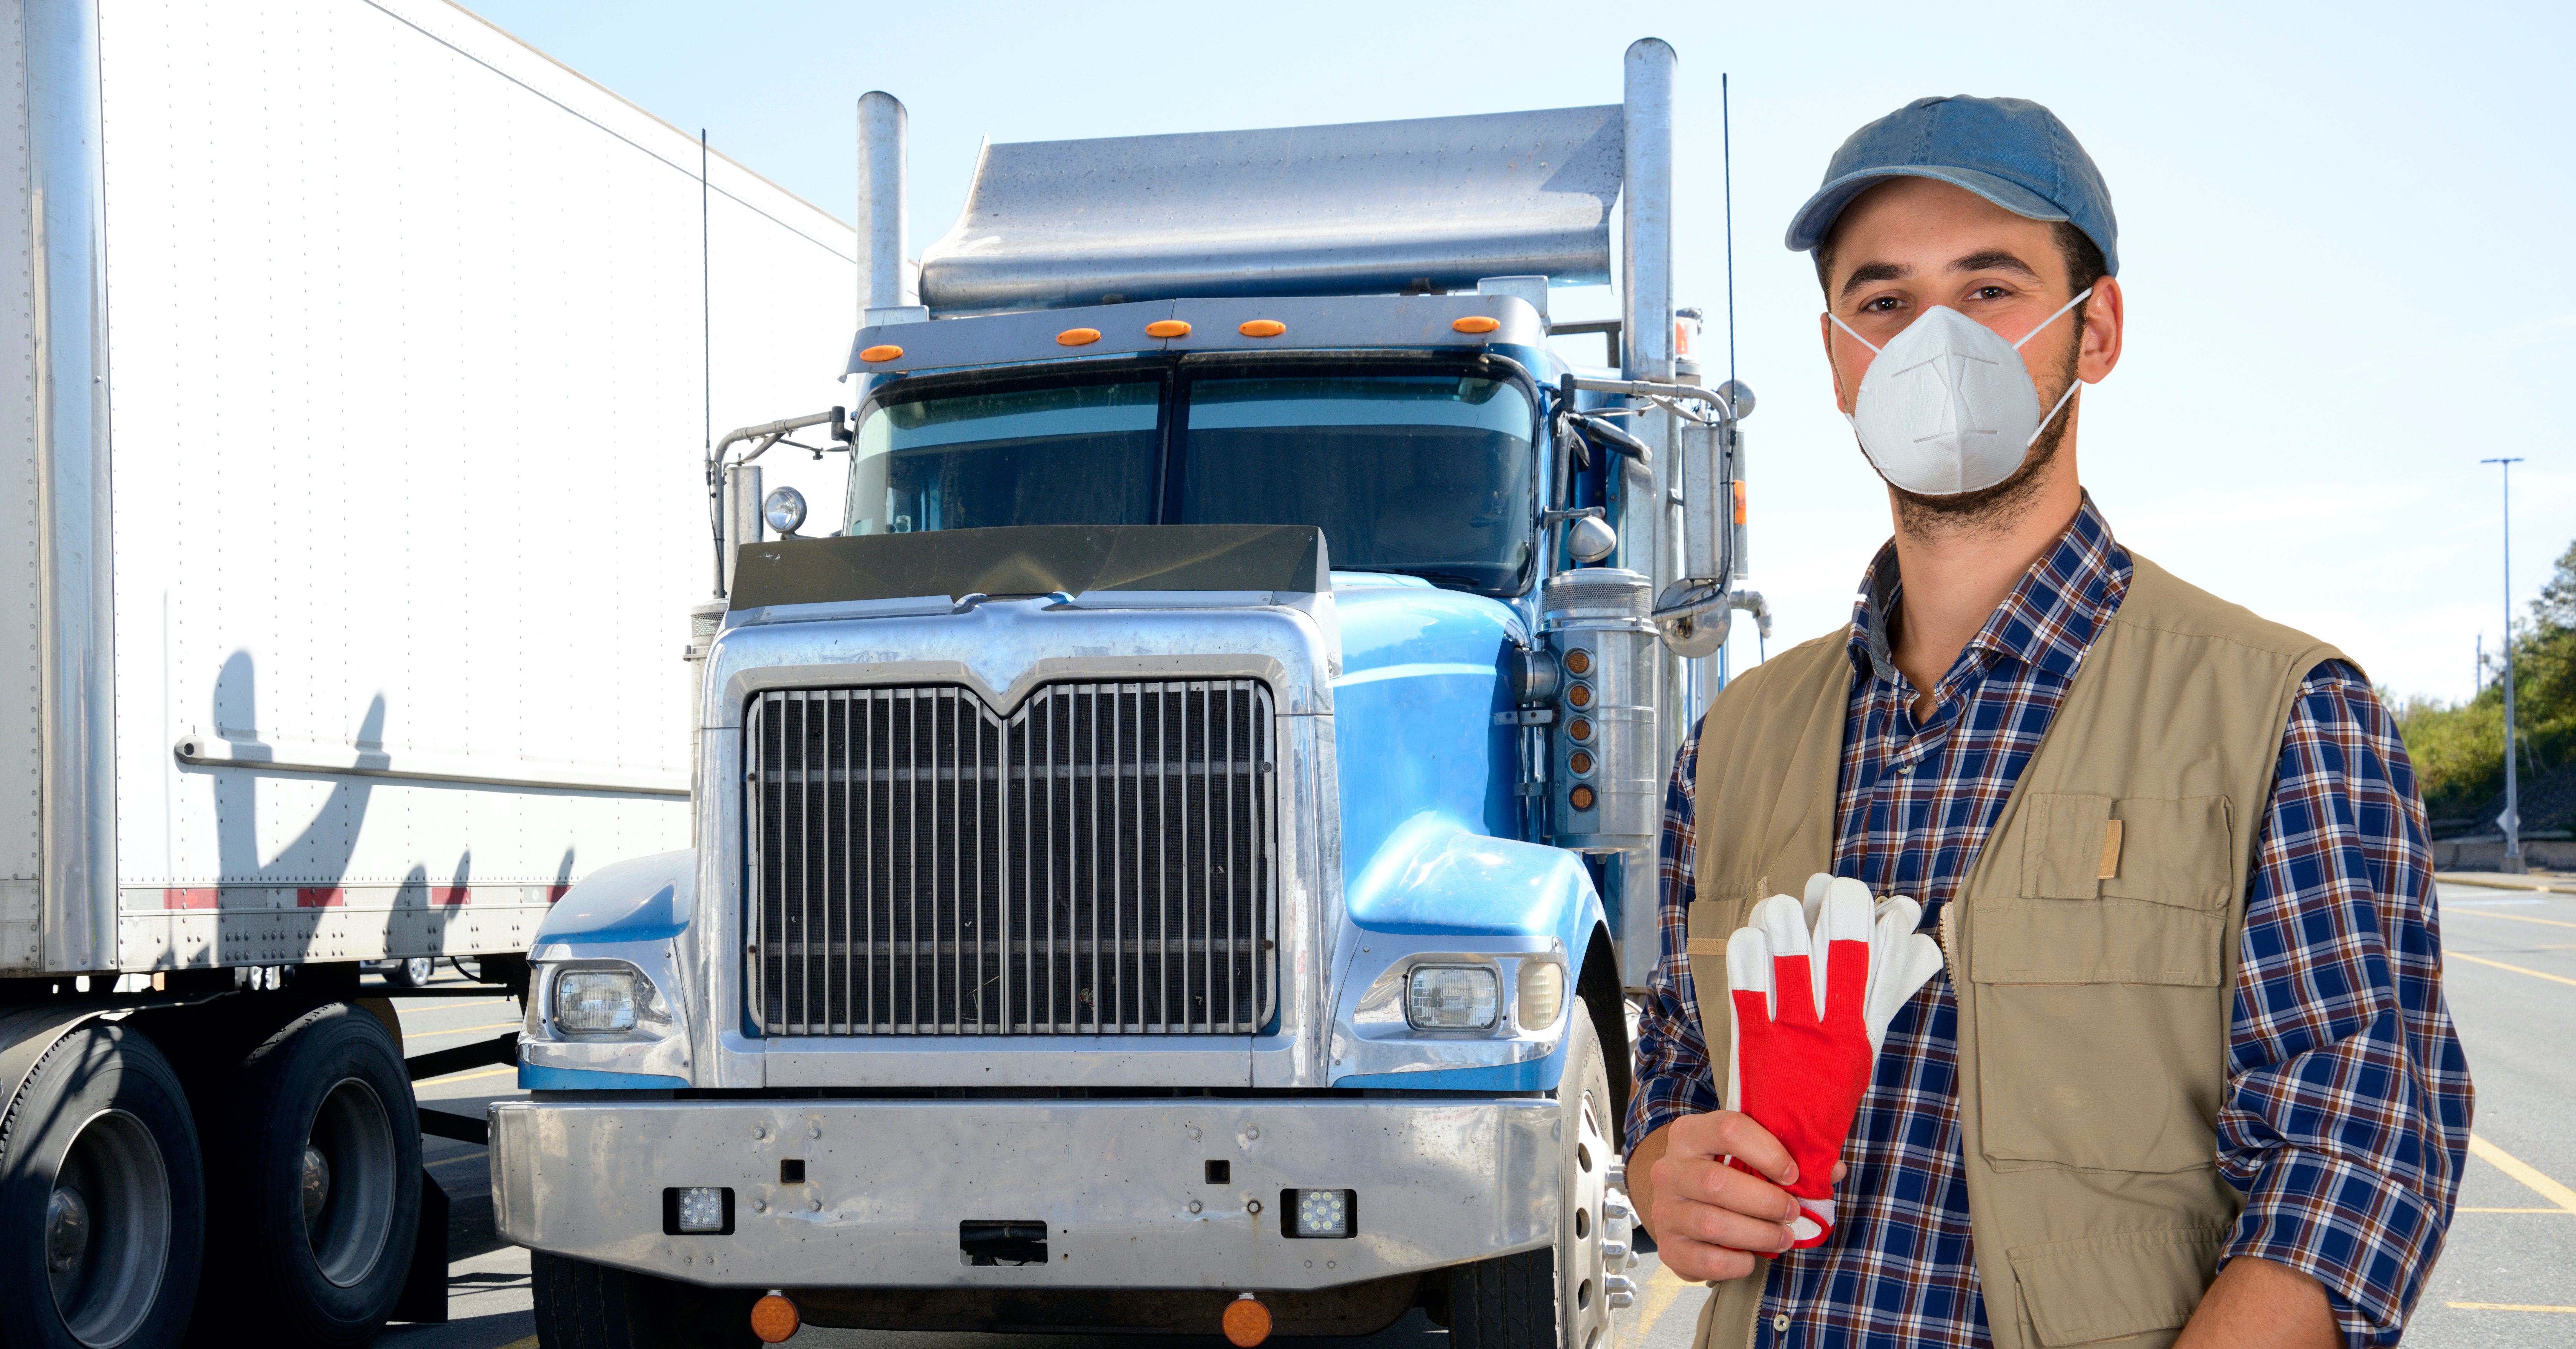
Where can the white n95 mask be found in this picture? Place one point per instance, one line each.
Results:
(1947, 406)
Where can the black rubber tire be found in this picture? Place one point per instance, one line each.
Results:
(580, 1305)
(400, 975)
(268, 1274)
(1513, 1301)
(1508, 1302)
(95, 1069)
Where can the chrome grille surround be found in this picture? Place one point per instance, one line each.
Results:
(1103, 860)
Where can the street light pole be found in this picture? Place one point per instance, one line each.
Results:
(2511, 819)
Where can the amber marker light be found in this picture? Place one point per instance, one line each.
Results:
(1476, 323)
(1262, 328)
(1247, 1322)
(1167, 328)
(1077, 337)
(1580, 798)
(888, 352)
(1739, 501)
(1580, 761)
(774, 1318)
(1580, 695)
(1578, 661)
(1579, 728)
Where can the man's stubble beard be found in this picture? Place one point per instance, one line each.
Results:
(1993, 512)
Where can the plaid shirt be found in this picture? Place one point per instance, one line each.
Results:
(2346, 1117)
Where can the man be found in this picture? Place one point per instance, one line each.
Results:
(2188, 1076)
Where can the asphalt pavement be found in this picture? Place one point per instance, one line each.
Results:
(2507, 1276)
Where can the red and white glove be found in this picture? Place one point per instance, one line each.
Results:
(1806, 1032)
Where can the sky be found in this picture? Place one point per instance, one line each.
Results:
(2325, 212)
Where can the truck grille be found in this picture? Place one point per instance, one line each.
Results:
(1100, 861)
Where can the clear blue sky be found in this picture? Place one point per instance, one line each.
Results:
(2327, 215)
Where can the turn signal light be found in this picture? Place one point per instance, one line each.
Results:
(1739, 501)
(774, 1318)
(1476, 323)
(1167, 328)
(1077, 337)
(1247, 1322)
(1262, 328)
(888, 352)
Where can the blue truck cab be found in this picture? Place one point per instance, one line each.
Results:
(1175, 856)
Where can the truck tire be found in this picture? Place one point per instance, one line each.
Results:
(102, 1198)
(411, 973)
(321, 1143)
(1556, 1297)
(580, 1305)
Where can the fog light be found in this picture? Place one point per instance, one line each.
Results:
(1542, 994)
(1319, 1213)
(699, 1209)
(595, 1002)
(1450, 997)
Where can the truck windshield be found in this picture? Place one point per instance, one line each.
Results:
(1423, 473)
(1428, 474)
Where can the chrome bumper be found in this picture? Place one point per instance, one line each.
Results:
(1121, 1186)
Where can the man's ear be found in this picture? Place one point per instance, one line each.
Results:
(1833, 368)
(2106, 326)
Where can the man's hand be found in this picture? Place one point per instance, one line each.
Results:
(1709, 1219)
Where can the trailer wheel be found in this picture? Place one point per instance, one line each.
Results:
(101, 1197)
(1555, 1297)
(322, 1143)
(411, 973)
(580, 1305)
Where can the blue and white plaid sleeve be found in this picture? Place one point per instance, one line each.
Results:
(1673, 1076)
(2346, 1122)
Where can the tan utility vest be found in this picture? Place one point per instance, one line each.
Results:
(2093, 946)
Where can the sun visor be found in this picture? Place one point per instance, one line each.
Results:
(1031, 560)
(1360, 208)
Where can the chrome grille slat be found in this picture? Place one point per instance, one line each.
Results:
(1100, 861)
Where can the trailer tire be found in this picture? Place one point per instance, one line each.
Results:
(99, 1172)
(1555, 1297)
(322, 1141)
(580, 1305)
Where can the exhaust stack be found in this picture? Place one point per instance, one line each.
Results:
(888, 281)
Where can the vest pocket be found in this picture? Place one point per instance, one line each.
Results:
(2106, 1287)
(2157, 917)
(2099, 1019)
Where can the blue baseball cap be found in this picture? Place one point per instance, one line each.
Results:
(2010, 151)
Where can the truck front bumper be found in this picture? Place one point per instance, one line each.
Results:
(1123, 1187)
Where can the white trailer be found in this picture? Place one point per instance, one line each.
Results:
(363, 357)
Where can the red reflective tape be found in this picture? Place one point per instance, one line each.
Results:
(320, 897)
(447, 894)
(189, 897)
(555, 892)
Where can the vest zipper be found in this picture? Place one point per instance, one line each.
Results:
(1949, 956)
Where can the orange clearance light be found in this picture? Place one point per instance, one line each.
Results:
(1077, 337)
(1580, 761)
(1247, 1322)
(1476, 323)
(1739, 501)
(1579, 728)
(774, 1318)
(1167, 328)
(1580, 695)
(888, 352)
(1578, 661)
(1580, 798)
(1262, 328)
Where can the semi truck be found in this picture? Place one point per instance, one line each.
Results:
(1174, 855)
(348, 347)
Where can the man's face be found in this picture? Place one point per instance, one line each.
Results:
(1911, 243)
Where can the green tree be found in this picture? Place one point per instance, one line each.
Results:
(2458, 749)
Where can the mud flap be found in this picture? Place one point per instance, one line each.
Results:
(424, 1294)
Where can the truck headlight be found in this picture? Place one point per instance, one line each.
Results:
(1450, 997)
(605, 1002)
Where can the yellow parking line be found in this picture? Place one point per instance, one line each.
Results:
(2517, 917)
(2531, 1176)
(2463, 1306)
(482, 1157)
(463, 1030)
(1660, 1292)
(468, 1077)
(2480, 960)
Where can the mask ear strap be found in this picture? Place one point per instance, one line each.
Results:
(2043, 323)
(2071, 386)
(1838, 322)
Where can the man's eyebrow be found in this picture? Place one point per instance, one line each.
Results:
(1868, 272)
(1995, 260)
